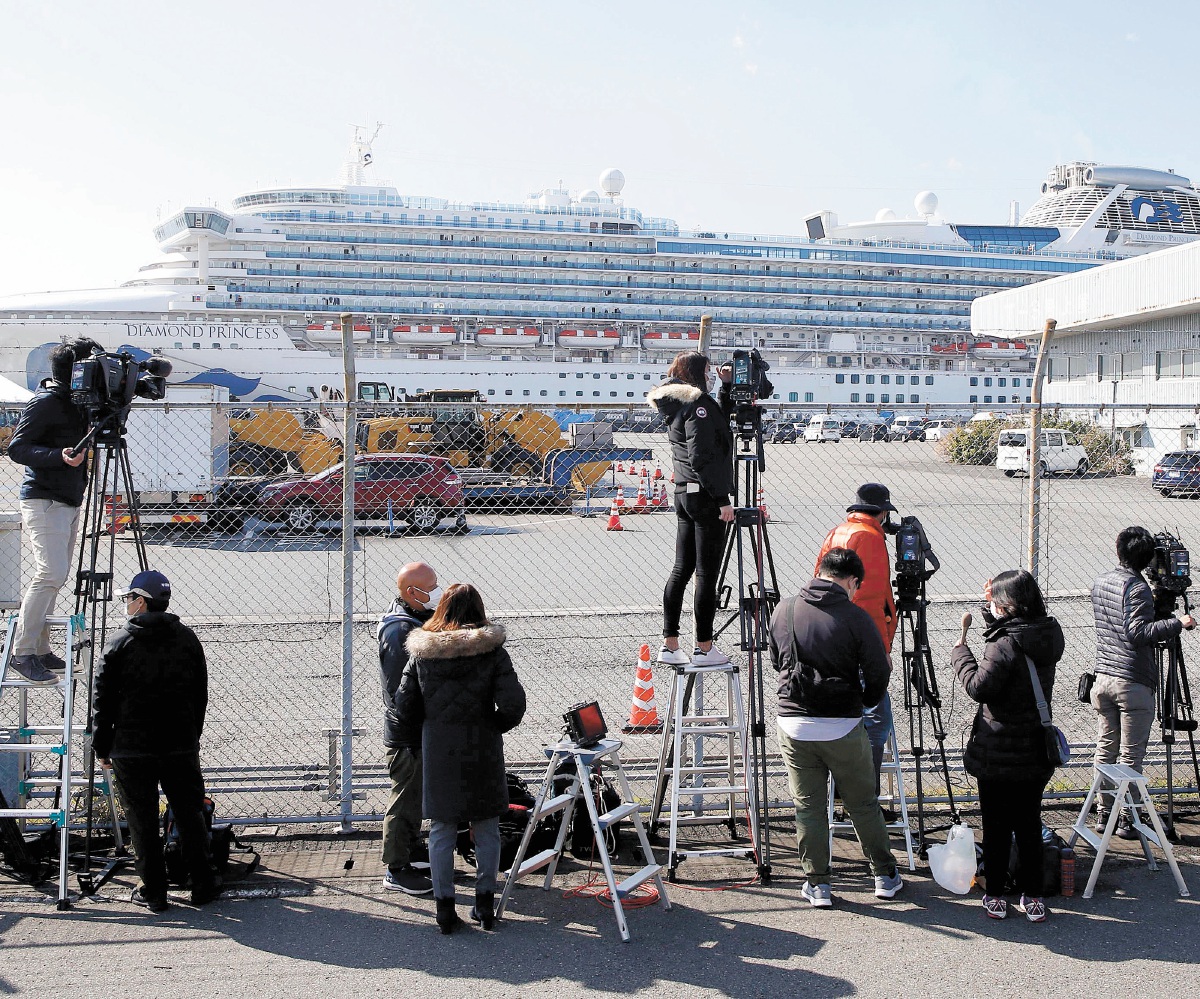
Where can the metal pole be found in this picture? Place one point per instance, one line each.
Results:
(349, 431)
(1035, 430)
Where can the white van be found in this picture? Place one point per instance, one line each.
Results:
(822, 429)
(1058, 451)
(907, 428)
(940, 430)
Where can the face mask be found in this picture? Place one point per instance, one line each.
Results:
(431, 601)
(711, 380)
(996, 612)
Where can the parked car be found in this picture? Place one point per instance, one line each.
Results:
(787, 433)
(907, 428)
(1058, 451)
(872, 431)
(849, 428)
(419, 489)
(822, 429)
(939, 429)
(1177, 473)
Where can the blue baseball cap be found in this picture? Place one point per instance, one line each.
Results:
(149, 584)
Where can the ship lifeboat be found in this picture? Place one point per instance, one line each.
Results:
(949, 348)
(1000, 349)
(332, 333)
(671, 339)
(508, 336)
(430, 335)
(589, 339)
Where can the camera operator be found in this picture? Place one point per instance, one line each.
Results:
(1126, 674)
(863, 533)
(702, 453)
(51, 495)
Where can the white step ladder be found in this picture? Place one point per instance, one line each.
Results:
(1127, 781)
(587, 759)
(60, 739)
(891, 767)
(685, 776)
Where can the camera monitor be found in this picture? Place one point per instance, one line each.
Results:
(585, 723)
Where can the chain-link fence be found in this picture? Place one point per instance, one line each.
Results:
(242, 510)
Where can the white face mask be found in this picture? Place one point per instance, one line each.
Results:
(431, 601)
(996, 612)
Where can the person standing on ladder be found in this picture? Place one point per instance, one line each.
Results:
(51, 495)
(416, 600)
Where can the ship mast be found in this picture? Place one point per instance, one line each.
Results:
(359, 156)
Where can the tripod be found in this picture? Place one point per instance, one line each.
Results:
(921, 694)
(109, 477)
(1174, 704)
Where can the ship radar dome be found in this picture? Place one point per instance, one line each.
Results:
(926, 203)
(589, 196)
(885, 215)
(612, 181)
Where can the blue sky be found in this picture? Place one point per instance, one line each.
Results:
(731, 116)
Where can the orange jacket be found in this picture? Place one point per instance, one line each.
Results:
(863, 534)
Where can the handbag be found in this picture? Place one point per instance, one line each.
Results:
(1085, 687)
(1058, 750)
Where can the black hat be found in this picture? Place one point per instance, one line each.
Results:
(872, 497)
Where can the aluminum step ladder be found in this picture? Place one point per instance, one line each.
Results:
(1127, 783)
(689, 775)
(56, 742)
(898, 799)
(587, 759)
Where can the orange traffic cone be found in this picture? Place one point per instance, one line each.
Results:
(660, 501)
(658, 472)
(614, 518)
(620, 467)
(762, 504)
(645, 471)
(619, 502)
(639, 504)
(643, 716)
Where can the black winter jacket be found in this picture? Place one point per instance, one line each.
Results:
(1126, 631)
(699, 434)
(50, 423)
(150, 691)
(397, 623)
(1007, 741)
(828, 653)
(458, 696)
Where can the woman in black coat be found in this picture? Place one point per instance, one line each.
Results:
(1006, 751)
(459, 692)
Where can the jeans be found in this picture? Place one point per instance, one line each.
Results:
(442, 837)
(51, 527)
(878, 723)
(699, 544)
(402, 820)
(137, 780)
(1125, 716)
(1008, 808)
(809, 765)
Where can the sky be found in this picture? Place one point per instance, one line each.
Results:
(743, 116)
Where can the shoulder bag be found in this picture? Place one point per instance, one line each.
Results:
(1058, 750)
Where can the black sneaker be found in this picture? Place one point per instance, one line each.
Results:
(407, 880)
(202, 896)
(53, 663)
(153, 904)
(31, 670)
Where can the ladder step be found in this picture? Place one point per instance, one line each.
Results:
(32, 813)
(726, 852)
(28, 730)
(691, 792)
(708, 729)
(707, 719)
(33, 747)
(536, 862)
(618, 813)
(99, 783)
(57, 685)
(552, 805)
(701, 771)
(637, 878)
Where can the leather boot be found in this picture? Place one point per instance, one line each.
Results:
(447, 918)
(484, 910)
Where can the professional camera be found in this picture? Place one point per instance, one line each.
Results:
(105, 384)
(1169, 572)
(915, 558)
(749, 382)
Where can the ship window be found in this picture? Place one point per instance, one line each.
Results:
(899, 396)
(1003, 398)
(629, 395)
(974, 381)
(885, 379)
(179, 345)
(987, 383)
(793, 397)
(597, 394)
(579, 393)
(613, 394)
(870, 397)
(613, 377)
(646, 377)
(929, 379)
(987, 398)
(561, 393)
(885, 397)
(1003, 382)
(596, 376)
(840, 379)
(579, 374)
(631, 377)
(899, 379)
(914, 398)
(491, 392)
(526, 392)
(974, 398)
(870, 379)
(854, 379)
(854, 397)
(508, 392)
(808, 397)
(195, 346)
(1029, 383)
(563, 374)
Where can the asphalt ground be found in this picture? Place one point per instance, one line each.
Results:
(315, 921)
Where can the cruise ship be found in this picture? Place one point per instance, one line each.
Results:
(572, 298)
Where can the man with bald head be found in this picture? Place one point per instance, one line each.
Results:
(414, 604)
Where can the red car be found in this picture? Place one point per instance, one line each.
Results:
(421, 489)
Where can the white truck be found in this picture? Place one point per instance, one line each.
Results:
(1058, 451)
(178, 453)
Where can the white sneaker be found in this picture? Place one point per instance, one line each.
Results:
(819, 896)
(713, 657)
(675, 657)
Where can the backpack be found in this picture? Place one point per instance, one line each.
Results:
(221, 843)
(512, 827)
(581, 836)
(1052, 847)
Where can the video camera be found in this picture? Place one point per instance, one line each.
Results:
(749, 382)
(1169, 572)
(105, 384)
(916, 561)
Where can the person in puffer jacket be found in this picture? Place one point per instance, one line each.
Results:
(702, 454)
(1126, 674)
(1006, 751)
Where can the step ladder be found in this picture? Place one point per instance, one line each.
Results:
(1133, 793)
(688, 775)
(55, 742)
(898, 800)
(587, 759)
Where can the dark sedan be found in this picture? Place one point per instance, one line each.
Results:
(1177, 473)
(872, 431)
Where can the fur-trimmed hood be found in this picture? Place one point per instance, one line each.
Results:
(457, 644)
(674, 393)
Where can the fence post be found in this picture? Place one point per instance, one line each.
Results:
(1035, 430)
(349, 432)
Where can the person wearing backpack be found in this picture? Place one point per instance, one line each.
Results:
(1006, 751)
(149, 698)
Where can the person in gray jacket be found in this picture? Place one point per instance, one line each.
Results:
(1126, 675)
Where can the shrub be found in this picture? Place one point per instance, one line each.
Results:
(975, 444)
